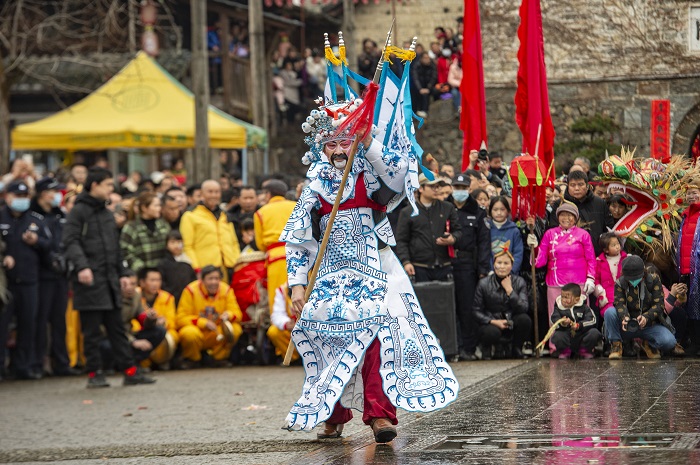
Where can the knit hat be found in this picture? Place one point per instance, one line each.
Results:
(568, 207)
(632, 267)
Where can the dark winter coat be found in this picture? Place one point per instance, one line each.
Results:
(416, 235)
(579, 313)
(492, 303)
(176, 275)
(27, 257)
(54, 221)
(646, 299)
(473, 248)
(423, 77)
(91, 240)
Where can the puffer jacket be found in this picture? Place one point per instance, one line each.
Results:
(579, 313)
(91, 240)
(209, 238)
(473, 248)
(605, 279)
(423, 76)
(492, 303)
(568, 255)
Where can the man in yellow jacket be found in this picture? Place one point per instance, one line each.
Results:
(208, 317)
(207, 235)
(270, 220)
(163, 304)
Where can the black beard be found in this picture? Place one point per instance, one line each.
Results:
(338, 158)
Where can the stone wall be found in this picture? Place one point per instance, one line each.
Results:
(628, 103)
(583, 39)
(603, 56)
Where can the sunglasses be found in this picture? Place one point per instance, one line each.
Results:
(344, 143)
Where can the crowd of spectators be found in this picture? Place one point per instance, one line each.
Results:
(436, 72)
(299, 77)
(131, 273)
(464, 232)
(161, 292)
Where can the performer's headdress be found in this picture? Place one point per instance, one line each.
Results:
(322, 126)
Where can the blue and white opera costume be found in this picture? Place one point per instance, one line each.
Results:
(361, 293)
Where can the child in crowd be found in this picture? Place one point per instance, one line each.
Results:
(503, 231)
(673, 307)
(578, 332)
(176, 266)
(248, 236)
(608, 270)
(481, 197)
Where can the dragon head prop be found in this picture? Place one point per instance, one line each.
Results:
(657, 192)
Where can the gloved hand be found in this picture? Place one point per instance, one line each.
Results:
(589, 286)
(532, 240)
(603, 301)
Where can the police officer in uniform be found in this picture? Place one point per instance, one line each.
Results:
(472, 261)
(53, 298)
(24, 234)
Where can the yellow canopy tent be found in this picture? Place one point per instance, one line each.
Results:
(142, 106)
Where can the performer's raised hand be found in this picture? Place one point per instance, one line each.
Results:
(298, 299)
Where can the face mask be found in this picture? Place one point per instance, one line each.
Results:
(20, 204)
(635, 282)
(57, 198)
(460, 196)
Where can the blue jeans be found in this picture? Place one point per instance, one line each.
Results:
(658, 335)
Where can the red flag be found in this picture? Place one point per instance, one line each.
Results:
(531, 97)
(661, 130)
(473, 118)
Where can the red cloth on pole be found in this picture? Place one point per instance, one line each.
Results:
(532, 97)
(473, 118)
(661, 130)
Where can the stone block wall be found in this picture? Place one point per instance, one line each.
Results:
(627, 102)
(583, 39)
(603, 56)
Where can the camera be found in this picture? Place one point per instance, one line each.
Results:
(632, 326)
(484, 154)
(509, 324)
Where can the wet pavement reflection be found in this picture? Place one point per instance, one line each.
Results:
(553, 411)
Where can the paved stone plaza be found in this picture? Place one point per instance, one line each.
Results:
(546, 411)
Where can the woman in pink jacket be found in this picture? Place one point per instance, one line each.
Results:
(568, 253)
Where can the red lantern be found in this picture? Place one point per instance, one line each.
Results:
(529, 178)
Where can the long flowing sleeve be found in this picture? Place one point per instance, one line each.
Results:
(388, 165)
(301, 238)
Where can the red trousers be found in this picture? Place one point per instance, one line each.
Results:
(377, 404)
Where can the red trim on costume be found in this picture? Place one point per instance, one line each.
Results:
(358, 201)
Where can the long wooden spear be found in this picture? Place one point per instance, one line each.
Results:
(336, 204)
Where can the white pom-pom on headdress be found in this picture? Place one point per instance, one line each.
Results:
(306, 127)
(308, 158)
